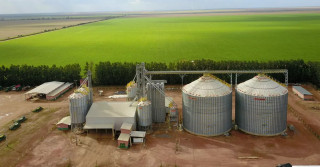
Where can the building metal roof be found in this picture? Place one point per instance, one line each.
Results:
(207, 86)
(98, 126)
(302, 90)
(46, 88)
(111, 109)
(262, 85)
(138, 134)
(59, 89)
(111, 112)
(65, 120)
(124, 137)
(126, 126)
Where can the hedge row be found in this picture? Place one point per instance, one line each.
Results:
(107, 73)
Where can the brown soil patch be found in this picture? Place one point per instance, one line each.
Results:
(43, 145)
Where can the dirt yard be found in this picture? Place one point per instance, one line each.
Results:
(38, 143)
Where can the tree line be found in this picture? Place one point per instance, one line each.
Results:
(120, 73)
(36, 75)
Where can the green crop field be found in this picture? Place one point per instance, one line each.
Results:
(167, 39)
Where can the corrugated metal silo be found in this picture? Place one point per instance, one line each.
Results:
(157, 101)
(79, 101)
(144, 114)
(131, 90)
(261, 106)
(207, 106)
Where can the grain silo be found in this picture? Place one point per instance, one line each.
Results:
(207, 106)
(157, 100)
(144, 115)
(79, 101)
(261, 106)
(131, 90)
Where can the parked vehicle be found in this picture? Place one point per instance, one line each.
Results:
(7, 89)
(18, 87)
(3, 137)
(15, 126)
(26, 88)
(13, 87)
(37, 109)
(22, 119)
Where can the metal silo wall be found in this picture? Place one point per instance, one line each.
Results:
(132, 91)
(157, 102)
(261, 117)
(144, 115)
(78, 109)
(209, 116)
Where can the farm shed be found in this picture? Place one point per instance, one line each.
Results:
(302, 93)
(50, 90)
(126, 128)
(64, 123)
(124, 140)
(103, 114)
(138, 136)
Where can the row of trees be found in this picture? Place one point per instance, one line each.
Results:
(120, 73)
(36, 75)
(107, 73)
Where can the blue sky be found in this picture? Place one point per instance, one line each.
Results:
(53, 6)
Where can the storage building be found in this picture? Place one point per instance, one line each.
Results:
(302, 93)
(64, 123)
(138, 136)
(124, 140)
(49, 90)
(126, 128)
(110, 115)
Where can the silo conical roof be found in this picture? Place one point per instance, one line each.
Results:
(262, 85)
(207, 86)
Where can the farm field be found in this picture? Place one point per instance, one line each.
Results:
(168, 39)
(12, 28)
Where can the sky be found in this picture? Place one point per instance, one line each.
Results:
(69, 6)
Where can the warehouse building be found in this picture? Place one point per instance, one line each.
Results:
(302, 93)
(110, 115)
(49, 90)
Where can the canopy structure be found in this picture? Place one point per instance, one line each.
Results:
(103, 114)
(51, 90)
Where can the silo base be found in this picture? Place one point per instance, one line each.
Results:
(77, 128)
(223, 133)
(145, 128)
(255, 134)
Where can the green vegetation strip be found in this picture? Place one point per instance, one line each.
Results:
(170, 39)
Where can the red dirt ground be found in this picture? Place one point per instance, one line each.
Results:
(46, 146)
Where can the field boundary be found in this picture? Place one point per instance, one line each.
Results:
(55, 29)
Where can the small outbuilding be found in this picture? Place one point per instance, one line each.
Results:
(138, 136)
(126, 128)
(302, 93)
(64, 123)
(124, 140)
